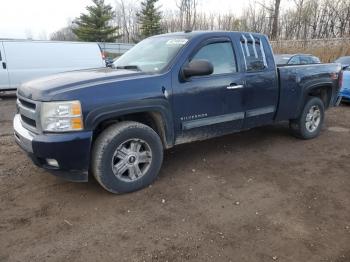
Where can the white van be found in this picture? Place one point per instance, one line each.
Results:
(22, 60)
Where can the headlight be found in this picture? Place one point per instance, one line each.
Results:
(62, 116)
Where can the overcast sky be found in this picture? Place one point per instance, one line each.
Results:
(39, 18)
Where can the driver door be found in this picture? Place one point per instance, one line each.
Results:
(209, 106)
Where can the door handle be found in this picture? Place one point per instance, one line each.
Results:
(234, 86)
(3, 65)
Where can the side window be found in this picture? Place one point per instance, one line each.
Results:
(294, 61)
(310, 60)
(220, 55)
(254, 53)
(315, 60)
(304, 60)
(0, 56)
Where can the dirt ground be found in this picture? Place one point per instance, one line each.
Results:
(260, 195)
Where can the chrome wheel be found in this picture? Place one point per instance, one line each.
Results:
(313, 119)
(132, 160)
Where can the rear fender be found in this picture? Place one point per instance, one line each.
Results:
(312, 89)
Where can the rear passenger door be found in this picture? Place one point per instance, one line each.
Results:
(4, 75)
(261, 87)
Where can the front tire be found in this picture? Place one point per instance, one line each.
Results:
(126, 157)
(310, 121)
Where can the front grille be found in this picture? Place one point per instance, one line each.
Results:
(28, 110)
(27, 104)
(28, 121)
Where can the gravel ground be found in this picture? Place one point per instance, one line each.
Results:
(260, 195)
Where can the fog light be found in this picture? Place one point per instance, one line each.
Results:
(52, 162)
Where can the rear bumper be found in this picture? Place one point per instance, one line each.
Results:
(70, 150)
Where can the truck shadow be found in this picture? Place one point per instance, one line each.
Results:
(182, 159)
(246, 142)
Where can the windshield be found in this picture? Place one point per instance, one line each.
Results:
(282, 59)
(151, 55)
(345, 60)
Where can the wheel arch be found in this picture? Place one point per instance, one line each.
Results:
(155, 115)
(322, 90)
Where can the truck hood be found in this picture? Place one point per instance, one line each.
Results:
(46, 88)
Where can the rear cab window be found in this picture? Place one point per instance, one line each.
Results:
(253, 53)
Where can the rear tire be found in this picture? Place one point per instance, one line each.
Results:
(126, 157)
(310, 121)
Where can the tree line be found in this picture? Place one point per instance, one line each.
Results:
(129, 23)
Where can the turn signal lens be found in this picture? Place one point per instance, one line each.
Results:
(76, 123)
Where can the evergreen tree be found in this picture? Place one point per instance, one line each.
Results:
(149, 18)
(95, 25)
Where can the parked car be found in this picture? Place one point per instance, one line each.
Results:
(345, 82)
(344, 61)
(167, 90)
(345, 85)
(296, 59)
(21, 61)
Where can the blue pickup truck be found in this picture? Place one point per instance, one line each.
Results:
(114, 123)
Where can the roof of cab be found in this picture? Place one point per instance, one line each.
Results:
(192, 34)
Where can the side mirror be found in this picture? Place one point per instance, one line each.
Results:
(198, 68)
(345, 67)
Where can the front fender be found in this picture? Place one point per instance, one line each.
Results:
(112, 111)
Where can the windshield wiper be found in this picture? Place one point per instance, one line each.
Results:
(129, 67)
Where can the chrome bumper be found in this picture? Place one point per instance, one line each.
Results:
(23, 137)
